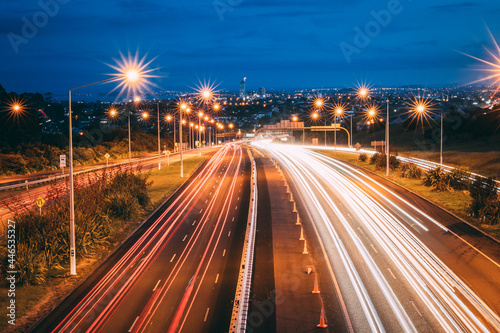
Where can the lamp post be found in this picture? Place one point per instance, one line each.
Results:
(183, 108)
(137, 100)
(441, 144)
(387, 140)
(338, 112)
(130, 76)
(159, 148)
(200, 115)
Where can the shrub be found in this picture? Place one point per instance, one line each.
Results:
(483, 192)
(438, 179)
(122, 206)
(380, 161)
(410, 170)
(362, 157)
(460, 179)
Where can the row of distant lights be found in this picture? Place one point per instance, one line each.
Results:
(420, 107)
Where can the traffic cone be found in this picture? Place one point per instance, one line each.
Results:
(322, 319)
(298, 220)
(287, 189)
(291, 197)
(294, 208)
(302, 234)
(316, 290)
(305, 248)
(309, 269)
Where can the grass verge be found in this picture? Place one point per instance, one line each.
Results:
(33, 302)
(453, 201)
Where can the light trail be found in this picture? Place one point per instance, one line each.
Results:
(334, 190)
(94, 311)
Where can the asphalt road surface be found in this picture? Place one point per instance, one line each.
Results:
(179, 272)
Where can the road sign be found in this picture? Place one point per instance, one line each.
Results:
(333, 127)
(62, 161)
(40, 202)
(166, 152)
(358, 146)
(107, 156)
(378, 143)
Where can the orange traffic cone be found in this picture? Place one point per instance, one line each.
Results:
(305, 248)
(302, 234)
(298, 220)
(322, 319)
(287, 189)
(294, 208)
(309, 269)
(291, 197)
(316, 290)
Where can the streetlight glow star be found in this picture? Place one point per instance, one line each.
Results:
(133, 74)
(493, 65)
(421, 109)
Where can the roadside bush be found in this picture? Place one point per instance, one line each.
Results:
(484, 194)
(362, 157)
(380, 160)
(490, 213)
(102, 202)
(460, 179)
(410, 170)
(122, 206)
(438, 179)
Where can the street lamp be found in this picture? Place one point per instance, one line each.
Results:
(338, 113)
(183, 107)
(172, 118)
(421, 108)
(133, 75)
(200, 115)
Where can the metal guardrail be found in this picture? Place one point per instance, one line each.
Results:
(57, 177)
(243, 289)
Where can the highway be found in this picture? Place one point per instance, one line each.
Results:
(402, 263)
(179, 272)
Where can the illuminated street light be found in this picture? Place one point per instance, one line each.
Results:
(128, 80)
(422, 109)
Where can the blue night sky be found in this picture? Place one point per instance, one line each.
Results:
(275, 43)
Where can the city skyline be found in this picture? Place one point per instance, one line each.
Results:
(52, 46)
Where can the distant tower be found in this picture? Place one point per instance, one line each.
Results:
(262, 92)
(243, 88)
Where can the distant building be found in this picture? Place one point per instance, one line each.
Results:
(243, 88)
(262, 92)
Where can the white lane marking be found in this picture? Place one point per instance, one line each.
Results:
(157, 283)
(206, 315)
(416, 308)
(194, 222)
(184, 238)
(374, 249)
(173, 257)
(210, 193)
(201, 210)
(206, 201)
(229, 234)
(238, 199)
(217, 278)
(224, 253)
(232, 220)
(236, 207)
(131, 327)
(394, 276)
